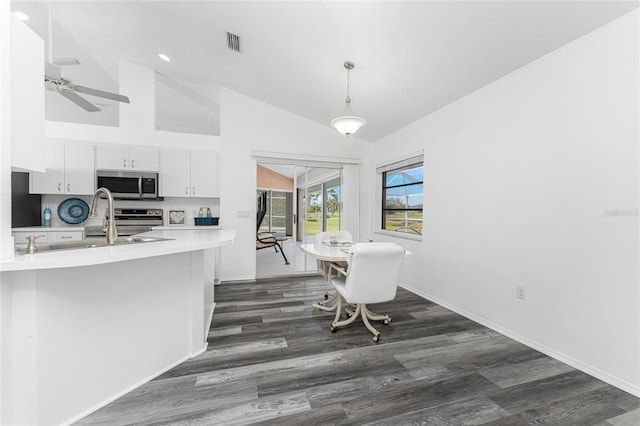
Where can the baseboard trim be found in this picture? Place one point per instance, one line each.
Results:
(573, 362)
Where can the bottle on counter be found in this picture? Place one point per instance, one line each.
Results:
(47, 217)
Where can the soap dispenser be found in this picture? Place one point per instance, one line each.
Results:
(47, 217)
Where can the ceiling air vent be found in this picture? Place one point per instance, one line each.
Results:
(233, 42)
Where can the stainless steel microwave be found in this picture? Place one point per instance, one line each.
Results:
(129, 185)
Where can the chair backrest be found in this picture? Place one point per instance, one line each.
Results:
(373, 272)
(325, 236)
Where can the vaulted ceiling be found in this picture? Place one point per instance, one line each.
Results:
(411, 58)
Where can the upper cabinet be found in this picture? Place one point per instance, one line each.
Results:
(125, 158)
(27, 98)
(69, 170)
(189, 174)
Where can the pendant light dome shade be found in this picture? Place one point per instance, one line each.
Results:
(348, 124)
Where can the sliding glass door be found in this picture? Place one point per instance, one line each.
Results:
(300, 201)
(320, 202)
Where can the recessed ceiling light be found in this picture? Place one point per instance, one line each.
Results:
(21, 15)
(164, 57)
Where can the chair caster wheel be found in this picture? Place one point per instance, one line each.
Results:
(333, 329)
(387, 321)
(376, 338)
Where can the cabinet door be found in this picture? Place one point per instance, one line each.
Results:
(204, 174)
(175, 180)
(20, 238)
(52, 180)
(79, 172)
(61, 236)
(112, 158)
(144, 159)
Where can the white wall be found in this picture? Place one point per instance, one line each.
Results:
(533, 181)
(249, 125)
(6, 242)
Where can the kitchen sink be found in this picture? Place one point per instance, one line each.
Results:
(93, 243)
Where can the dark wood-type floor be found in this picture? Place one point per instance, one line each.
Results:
(272, 360)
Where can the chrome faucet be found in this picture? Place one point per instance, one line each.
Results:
(31, 246)
(111, 230)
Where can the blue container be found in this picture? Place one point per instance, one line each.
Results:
(206, 221)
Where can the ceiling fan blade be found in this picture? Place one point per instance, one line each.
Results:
(78, 100)
(52, 71)
(99, 93)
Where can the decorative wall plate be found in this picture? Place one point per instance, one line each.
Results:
(73, 211)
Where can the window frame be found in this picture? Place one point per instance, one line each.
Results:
(406, 163)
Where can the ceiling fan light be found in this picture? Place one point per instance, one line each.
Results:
(348, 124)
(21, 15)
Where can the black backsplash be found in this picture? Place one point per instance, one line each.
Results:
(26, 209)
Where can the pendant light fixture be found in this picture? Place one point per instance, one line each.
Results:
(348, 124)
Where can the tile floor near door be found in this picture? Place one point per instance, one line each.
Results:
(270, 263)
(273, 361)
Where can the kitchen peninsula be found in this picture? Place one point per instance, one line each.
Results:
(82, 327)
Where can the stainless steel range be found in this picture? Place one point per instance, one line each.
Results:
(129, 222)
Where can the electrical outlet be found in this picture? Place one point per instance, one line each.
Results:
(520, 292)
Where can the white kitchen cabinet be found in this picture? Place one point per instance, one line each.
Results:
(48, 236)
(69, 170)
(20, 238)
(189, 174)
(61, 236)
(127, 158)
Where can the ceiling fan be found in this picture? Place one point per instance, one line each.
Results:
(53, 81)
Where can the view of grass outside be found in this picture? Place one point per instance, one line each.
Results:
(323, 199)
(405, 221)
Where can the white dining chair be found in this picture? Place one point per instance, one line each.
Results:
(372, 277)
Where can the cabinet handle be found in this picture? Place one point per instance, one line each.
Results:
(193, 191)
(133, 164)
(59, 186)
(186, 190)
(124, 162)
(68, 187)
(65, 237)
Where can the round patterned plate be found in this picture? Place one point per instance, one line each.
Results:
(73, 211)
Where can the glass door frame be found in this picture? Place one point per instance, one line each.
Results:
(299, 214)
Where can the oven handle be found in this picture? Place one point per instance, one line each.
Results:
(140, 186)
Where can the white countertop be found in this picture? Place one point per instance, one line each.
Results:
(182, 240)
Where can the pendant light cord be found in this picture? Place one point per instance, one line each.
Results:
(347, 101)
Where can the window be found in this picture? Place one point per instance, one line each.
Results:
(402, 196)
(278, 216)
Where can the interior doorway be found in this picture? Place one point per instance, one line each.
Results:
(301, 201)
